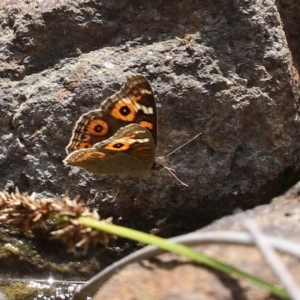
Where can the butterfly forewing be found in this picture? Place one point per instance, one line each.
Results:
(134, 103)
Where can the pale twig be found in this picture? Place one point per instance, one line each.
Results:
(272, 258)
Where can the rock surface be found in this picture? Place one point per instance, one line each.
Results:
(171, 277)
(221, 69)
(229, 76)
(289, 12)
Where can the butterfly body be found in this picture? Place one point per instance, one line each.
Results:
(119, 138)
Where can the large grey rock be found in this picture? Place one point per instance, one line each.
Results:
(222, 70)
(219, 68)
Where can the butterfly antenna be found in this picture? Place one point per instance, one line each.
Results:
(184, 144)
(172, 172)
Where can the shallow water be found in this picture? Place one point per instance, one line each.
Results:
(37, 289)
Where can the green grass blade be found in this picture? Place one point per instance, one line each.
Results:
(182, 250)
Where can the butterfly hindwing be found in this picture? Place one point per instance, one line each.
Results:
(130, 152)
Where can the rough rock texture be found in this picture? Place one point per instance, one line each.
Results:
(171, 277)
(290, 16)
(219, 68)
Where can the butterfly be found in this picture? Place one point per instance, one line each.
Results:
(120, 137)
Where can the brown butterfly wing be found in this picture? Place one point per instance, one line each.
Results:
(129, 152)
(134, 103)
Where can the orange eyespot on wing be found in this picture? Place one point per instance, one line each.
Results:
(124, 111)
(84, 145)
(118, 146)
(95, 155)
(146, 124)
(97, 127)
